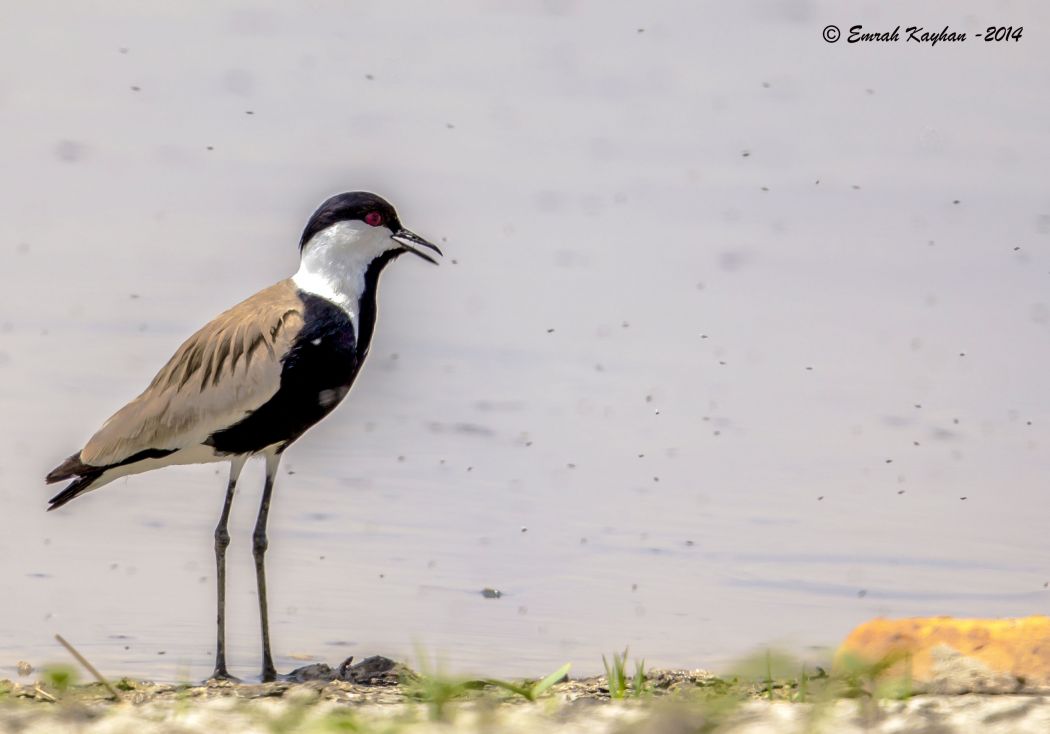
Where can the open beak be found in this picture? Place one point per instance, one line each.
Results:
(413, 242)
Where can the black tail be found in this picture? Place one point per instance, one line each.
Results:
(83, 476)
(75, 489)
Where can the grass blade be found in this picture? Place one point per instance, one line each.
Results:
(550, 680)
(90, 668)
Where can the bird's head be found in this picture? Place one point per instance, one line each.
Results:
(361, 226)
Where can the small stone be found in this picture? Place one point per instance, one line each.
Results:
(490, 593)
(375, 670)
(312, 672)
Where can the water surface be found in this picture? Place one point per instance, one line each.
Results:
(740, 337)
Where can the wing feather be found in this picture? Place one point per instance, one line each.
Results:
(219, 375)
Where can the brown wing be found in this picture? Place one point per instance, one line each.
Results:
(219, 375)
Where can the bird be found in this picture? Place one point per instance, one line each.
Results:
(257, 377)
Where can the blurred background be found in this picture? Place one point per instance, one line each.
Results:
(740, 338)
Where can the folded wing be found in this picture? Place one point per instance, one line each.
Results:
(218, 376)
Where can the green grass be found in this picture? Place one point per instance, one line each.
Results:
(639, 684)
(437, 689)
(531, 692)
(682, 702)
(616, 675)
(617, 680)
(861, 679)
(59, 678)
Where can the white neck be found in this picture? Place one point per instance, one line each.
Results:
(335, 261)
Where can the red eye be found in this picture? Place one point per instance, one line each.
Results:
(374, 219)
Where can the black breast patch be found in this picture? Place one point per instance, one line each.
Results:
(316, 375)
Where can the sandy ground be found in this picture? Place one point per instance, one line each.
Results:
(302, 713)
(679, 701)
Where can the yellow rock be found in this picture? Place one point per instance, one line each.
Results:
(953, 655)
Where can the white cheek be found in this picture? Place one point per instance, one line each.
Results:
(336, 259)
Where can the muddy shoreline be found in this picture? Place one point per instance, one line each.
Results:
(395, 700)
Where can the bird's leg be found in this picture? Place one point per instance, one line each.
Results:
(222, 540)
(259, 546)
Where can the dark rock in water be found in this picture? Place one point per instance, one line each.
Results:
(312, 672)
(372, 671)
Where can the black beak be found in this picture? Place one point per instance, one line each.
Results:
(412, 242)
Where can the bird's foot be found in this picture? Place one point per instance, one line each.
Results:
(221, 674)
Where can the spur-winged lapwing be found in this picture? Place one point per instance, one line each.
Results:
(258, 376)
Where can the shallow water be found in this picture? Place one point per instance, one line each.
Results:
(740, 337)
